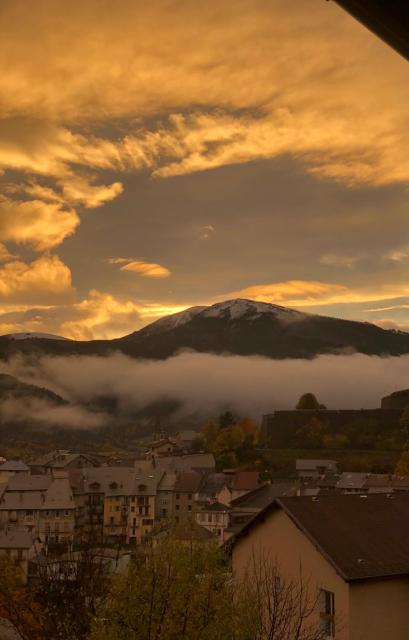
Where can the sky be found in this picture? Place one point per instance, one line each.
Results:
(156, 156)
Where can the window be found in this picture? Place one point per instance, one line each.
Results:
(177, 507)
(178, 496)
(189, 508)
(327, 613)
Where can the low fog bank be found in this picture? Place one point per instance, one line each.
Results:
(205, 384)
(40, 413)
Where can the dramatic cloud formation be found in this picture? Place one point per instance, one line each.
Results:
(98, 316)
(206, 384)
(300, 293)
(42, 225)
(47, 280)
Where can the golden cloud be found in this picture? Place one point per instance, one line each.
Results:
(99, 316)
(5, 255)
(304, 293)
(146, 269)
(322, 93)
(43, 281)
(42, 225)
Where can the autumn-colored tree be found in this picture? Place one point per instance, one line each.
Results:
(185, 592)
(249, 430)
(228, 439)
(62, 600)
(19, 608)
(402, 466)
(173, 592)
(404, 421)
(210, 431)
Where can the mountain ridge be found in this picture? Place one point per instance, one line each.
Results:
(238, 327)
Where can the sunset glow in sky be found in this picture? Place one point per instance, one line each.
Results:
(155, 156)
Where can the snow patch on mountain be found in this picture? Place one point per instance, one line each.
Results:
(175, 320)
(239, 307)
(28, 334)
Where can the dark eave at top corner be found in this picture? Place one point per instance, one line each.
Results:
(388, 19)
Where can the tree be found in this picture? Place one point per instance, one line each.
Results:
(210, 431)
(226, 419)
(249, 430)
(308, 402)
(402, 466)
(62, 601)
(173, 592)
(277, 608)
(19, 608)
(404, 421)
(312, 434)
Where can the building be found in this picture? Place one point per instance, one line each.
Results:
(215, 518)
(187, 488)
(165, 497)
(163, 447)
(309, 469)
(203, 462)
(353, 548)
(352, 482)
(245, 507)
(42, 505)
(11, 468)
(63, 459)
(130, 506)
(90, 485)
(187, 438)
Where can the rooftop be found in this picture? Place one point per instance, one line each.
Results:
(15, 539)
(13, 465)
(246, 480)
(188, 482)
(363, 537)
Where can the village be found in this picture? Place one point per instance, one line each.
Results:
(349, 529)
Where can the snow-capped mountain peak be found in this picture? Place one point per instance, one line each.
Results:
(239, 307)
(230, 310)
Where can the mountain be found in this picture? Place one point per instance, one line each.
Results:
(241, 327)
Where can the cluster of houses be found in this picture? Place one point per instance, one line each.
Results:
(348, 531)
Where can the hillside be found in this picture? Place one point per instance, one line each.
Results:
(12, 388)
(241, 327)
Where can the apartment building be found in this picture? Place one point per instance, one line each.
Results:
(130, 506)
(42, 505)
(354, 550)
